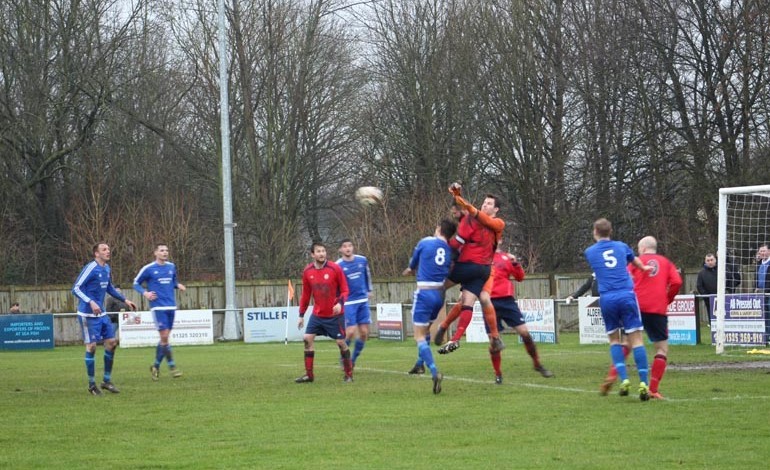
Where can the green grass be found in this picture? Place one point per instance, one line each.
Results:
(238, 407)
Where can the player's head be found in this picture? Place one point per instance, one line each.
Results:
(161, 252)
(318, 252)
(101, 252)
(602, 228)
(648, 244)
(491, 205)
(710, 260)
(456, 212)
(446, 228)
(346, 247)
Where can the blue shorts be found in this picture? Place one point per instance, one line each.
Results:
(357, 314)
(426, 304)
(164, 319)
(470, 276)
(96, 329)
(620, 310)
(507, 310)
(333, 327)
(656, 326)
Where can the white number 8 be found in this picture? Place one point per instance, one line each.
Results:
(440, 257)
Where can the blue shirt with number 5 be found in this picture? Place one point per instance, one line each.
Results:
(609, 259)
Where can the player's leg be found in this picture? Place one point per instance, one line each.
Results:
(612, 373)
(110, 346)
(160, 348)
(656, 327)
(166, 339)
(636, 342)
(309, 354)
(488, 309)
(335, 328)
(89, 339)
(363, 319)
(454, 314)
(425, 311)
(529, 345)
(467, 299)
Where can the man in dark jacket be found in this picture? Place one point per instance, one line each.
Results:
(707, 281)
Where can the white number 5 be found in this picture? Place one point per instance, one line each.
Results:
(609, 259)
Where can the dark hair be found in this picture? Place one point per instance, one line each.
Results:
(315, 244)
(345, 240)
(158, 245)
(15, 304)
(96, 247)
(447, 228)
(603, 227)
(498, 204)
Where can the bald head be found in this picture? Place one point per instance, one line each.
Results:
(648, 244)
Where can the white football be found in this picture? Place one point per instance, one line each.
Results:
(369, 195)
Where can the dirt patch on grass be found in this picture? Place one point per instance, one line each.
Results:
(722, 365)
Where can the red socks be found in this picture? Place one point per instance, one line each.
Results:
(309, 356)
(658, 369)
(466, 315)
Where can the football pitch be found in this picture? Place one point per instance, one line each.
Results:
(237, 406)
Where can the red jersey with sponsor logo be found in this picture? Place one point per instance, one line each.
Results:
(478, 235)
(328, 287)
(504, 269)
(657, 288)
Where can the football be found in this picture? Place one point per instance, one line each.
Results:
(369, 195)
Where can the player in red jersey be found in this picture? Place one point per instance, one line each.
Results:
(507, 310)
(476, 240)
(655, 289)
(326, 282)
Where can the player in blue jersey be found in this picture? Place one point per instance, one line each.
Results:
(620, 310)
(161, 281)
(357, 314)
(93, 282)
(432, 259)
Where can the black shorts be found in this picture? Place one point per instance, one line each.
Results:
(656, 326)
(333, 327)
(507, 310)
(470, 276)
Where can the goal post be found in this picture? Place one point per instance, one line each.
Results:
(744, 226)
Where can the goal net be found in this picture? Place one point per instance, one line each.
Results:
(741, 316)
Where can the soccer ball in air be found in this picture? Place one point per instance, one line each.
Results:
(369, 195)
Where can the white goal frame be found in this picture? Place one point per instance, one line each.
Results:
(719, 308)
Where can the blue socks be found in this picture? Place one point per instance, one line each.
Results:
(359, 346)
(640, 357)
(163, 351)
(423, 350)
(90, 367)
(109, 357)
(616, 354)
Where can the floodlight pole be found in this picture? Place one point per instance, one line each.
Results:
(230, 330)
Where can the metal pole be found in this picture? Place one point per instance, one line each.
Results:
(230, 330)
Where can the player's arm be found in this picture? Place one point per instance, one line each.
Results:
(413, 261)
(344, 291)
(177, 284)
(517, 271)
(674, 282)
(77, 288)
(369, 284)
(304, 299)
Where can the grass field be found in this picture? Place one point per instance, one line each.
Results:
(238, 407)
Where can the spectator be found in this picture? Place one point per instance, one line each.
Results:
(113, 305)
(706, 284)
(15, 309)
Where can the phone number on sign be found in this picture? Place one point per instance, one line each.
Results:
(744, 338)
(190, 335)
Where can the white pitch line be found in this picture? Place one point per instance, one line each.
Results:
(477, 381)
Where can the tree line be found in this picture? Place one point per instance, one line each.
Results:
(634, 110)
